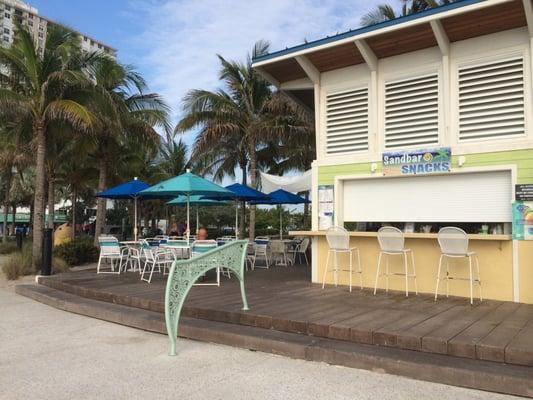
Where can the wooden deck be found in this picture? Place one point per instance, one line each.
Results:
(283, 299)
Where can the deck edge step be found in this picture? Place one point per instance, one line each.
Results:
(475, 374)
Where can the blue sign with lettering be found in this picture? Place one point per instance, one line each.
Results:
(415, 162)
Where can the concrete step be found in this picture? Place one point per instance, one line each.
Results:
(476, 374)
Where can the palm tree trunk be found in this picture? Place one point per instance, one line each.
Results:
(101, 202)
(253, 183)
(74, 199)
(6, 208)
(51, 202)
(38, 214)
(243, 203)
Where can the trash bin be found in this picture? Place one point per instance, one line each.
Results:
(46, 268)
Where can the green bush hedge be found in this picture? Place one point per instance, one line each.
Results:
(77, 252)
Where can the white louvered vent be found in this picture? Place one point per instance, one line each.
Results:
(491, 100)
(347, 121)
(412, 112)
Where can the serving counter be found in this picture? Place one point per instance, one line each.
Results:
(498, 256)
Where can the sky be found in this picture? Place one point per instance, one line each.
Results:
(174, 43)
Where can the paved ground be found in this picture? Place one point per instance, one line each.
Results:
(50, 354)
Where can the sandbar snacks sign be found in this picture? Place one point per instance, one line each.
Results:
(523, 220)
(414, 162)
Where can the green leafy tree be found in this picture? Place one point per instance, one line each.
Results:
(39, 88)
(125, 111)
(233, 122)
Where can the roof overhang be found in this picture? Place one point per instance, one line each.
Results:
(455, 21)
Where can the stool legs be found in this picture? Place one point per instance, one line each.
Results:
(438, 278)
(377, 274)
(360, 271)
(478, 278)
(470, 274)
(414, 272)
(406, 275)
(326, 270)
(470, 278)
(351, 270)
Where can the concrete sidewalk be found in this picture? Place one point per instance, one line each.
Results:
(51, 354)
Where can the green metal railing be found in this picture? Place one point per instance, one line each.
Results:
(185, 273)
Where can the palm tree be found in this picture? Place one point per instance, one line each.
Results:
(294, 146)
(385, 12)
(37, 90)
(14, 157)
(233, 116)
(172, 159)
(124, 110)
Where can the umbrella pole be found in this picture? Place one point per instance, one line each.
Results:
(135, 219)
(236, 219)
(197, 219)
(188, 217)
(281, 222)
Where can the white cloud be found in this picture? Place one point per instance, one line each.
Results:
(179, 40)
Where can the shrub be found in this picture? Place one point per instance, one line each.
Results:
(8, 247)
(78, 251)
(59, 265)
(18, 264)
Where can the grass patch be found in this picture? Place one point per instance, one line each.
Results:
(19, 263)
(8, 247)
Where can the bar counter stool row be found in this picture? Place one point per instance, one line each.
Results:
(453, 244)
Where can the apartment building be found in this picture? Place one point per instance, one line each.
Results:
(16, 11)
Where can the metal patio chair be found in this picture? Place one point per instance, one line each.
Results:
(110, 250)
(339, 243)
(392, 243)
(300, 250)
(453, 243)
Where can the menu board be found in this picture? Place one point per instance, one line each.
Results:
(523, 220)
(524, 192)
(326, 206)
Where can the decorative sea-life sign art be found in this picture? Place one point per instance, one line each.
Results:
(414, 162)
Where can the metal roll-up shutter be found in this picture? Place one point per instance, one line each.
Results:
(462, 197)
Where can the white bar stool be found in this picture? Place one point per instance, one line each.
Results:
(392, 243)
(453, 243)
(339, 242)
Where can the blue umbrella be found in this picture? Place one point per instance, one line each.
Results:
(241, 193)
(128, 190)
(186, 184)
(280, 197)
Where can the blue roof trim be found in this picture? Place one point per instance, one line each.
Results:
(350, 33)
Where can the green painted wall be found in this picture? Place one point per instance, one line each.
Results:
(523, 159)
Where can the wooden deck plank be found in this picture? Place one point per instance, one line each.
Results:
(283, 299)
(464, 344)
(437, 340)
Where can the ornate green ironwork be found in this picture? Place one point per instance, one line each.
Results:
(185, 273)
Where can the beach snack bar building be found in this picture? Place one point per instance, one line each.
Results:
(422, 122)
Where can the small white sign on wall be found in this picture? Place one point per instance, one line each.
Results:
(325, 207)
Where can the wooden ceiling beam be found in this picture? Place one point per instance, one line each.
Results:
(312, 72)
(441, 37)
(367, 53)
(528, 10)
(269, 78)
